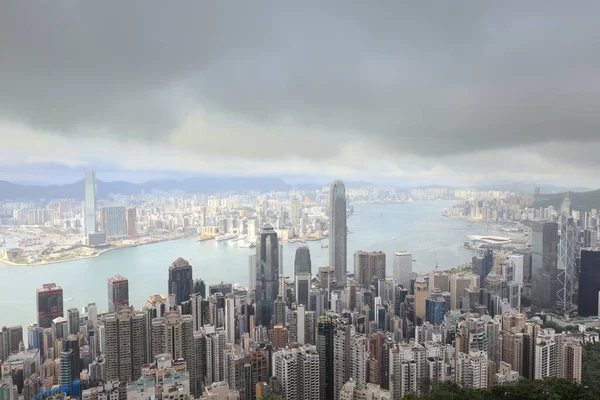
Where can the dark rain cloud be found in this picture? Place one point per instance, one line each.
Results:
(434, 79)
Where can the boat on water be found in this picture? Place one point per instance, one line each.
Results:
(222, 238)
(394, 238)
(324, 246)
(247, 245)
(69, 299)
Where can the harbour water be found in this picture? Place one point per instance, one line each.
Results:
(415, 227)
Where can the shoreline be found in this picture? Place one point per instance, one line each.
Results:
(8, 263)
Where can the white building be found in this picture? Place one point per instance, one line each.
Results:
(472, 370)
(403, 268)
(297, 371)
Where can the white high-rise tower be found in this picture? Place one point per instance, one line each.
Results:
(89, 211)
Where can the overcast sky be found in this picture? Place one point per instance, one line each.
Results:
(435, 92)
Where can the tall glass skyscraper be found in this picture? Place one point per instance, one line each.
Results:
(118, 292)
(267, 275)
(302, 260)
(338, 231)
(544, 246)
(89, 212)
(566, 258)
(181, 283)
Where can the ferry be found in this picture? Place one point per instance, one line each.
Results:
(221, 238)
(247, 245)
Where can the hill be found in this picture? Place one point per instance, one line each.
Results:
(583, 201)
(208, 185)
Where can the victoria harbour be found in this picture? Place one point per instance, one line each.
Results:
(415, 227)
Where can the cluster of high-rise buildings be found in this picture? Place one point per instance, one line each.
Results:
(323, 334)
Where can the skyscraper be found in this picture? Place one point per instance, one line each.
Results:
(302, 260)
(89, 212)
(180, 280)
(173, 334)
(566, 258)
(267, 275)
(338, 232)
(589, 283)
(302, 280)
(116, 221)
(368, 265)
(403, 268)
(49, 304)
(131, 220)
(544, 265)
(118, 292)
(73, 321)
(126, 343)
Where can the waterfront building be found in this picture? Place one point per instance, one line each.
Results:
(116, 221)
(118, 293)
(180, 280)
(589, 283)
(49, 304)
(403, 269)
(338, 232)
(544, 265)
(131, 219)
(89, 205)
(368, 265)
(267, 275)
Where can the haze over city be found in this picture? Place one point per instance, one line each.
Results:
(417, 93)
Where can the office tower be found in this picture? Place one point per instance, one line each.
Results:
(200, 287)
(230, 326)
(252, 272)
(67, 367)
(92, 312)
(458, 284)
(544, 265)
(197, 364)
(325, 332)
(180, 280)
(118, 293)
(89, 211)
(116, 221)
(10, 337)
(215, 348)
(338, 232)
(482, 265)
(590, 238)
(72, 344)
(267, 275)
(125, 345)
(403, 269)
(566, 259)
(421, 292)
(368, 265)
(573, 360)
(302, 289)
(589, 284)
(435, 307)
(172, 334)
(49, 304)
(516, 262)
(223, 288)
(472, 370)
(131, 218)
(302, 260)
(73, 321)
(35, 340)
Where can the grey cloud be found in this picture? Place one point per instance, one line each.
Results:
(429, 80)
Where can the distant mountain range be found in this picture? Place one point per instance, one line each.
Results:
(583, 201)
(197, 185)
(12, 191)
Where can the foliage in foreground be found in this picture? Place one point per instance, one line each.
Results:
(545, 389)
